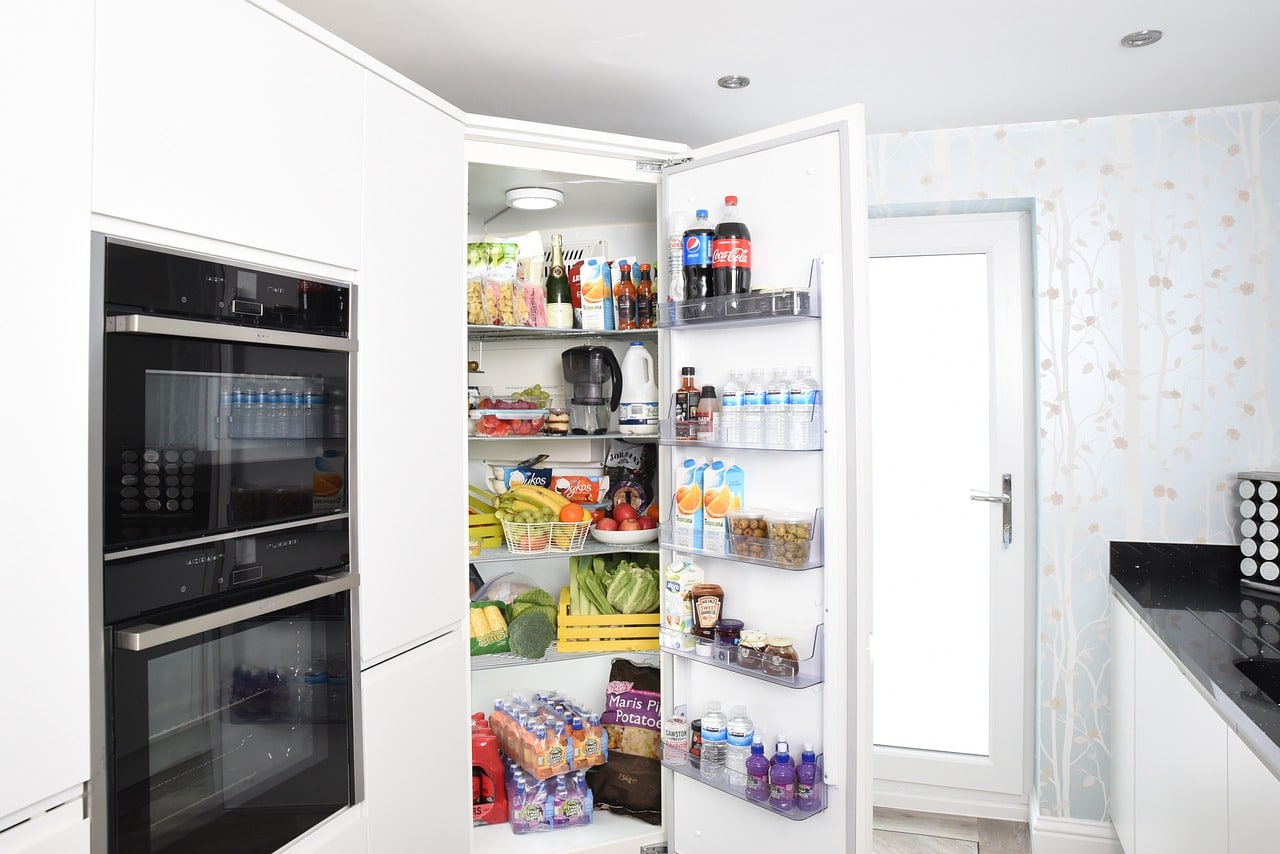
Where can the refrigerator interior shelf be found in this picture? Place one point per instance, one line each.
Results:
(532, 333)
(590, 547)
(500, 660)
(808, 670)
(688, 766)
(547, 437)
(761, 551)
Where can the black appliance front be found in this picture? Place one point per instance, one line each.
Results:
(224, 398)
(230, 713)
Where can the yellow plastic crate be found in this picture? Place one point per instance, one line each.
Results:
(485, 527)
(616, 633)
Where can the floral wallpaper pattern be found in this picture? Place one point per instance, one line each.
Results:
(1157, 344)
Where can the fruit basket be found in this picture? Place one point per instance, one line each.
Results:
(537, 537)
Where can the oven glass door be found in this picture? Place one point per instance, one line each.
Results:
(234, 738)
(204, 436)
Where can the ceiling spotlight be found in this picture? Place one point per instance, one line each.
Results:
(733, 81)
(534, 198)
(1141, 38)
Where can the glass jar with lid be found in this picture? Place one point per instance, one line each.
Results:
(751, 646)
(780, 657)
(728, 633)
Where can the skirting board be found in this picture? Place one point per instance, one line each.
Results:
(942, 800)
(1051, 835)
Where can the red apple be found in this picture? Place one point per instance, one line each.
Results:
(606, 524)
(623, 512)
(629, 525)
(646, 523)
(598, 514)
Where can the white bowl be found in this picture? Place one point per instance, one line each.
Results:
(624, 538)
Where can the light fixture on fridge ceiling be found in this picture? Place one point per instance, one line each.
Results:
(1142, 38)
(534, 198)
(733, 81)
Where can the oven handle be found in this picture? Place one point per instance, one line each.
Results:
(149, 324)
(148, 635)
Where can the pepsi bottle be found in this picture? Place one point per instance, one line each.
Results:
(697, 258)
(731, 253)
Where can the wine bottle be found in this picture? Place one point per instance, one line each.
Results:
(559, 298)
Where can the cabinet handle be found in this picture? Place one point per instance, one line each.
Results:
(1005, 498)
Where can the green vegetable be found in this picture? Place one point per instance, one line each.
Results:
(531, 633)
(535, 597)
(634, 590)
(594, 588)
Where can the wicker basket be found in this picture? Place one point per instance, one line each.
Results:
(528, 538)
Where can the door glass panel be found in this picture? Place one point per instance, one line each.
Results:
(931, 429)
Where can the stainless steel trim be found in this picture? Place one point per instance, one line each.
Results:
(147, 324)
(148, 635)
(216, 538)
(1005, 498)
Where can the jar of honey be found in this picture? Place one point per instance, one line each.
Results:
(780, 657)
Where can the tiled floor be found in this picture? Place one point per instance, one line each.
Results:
(906, 832)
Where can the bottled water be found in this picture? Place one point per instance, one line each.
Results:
(256, 426)
(714, 740)
(226, 399)
(740, 734)
(753, 409)
(731, 408)
(805, 408)
(776, 394)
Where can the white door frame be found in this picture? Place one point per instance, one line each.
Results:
(998, 785)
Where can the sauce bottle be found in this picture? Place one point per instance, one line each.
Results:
(686, 406)
(624, 298)
(708, 414)
(646, 313)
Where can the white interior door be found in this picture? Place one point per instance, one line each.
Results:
(951, 421)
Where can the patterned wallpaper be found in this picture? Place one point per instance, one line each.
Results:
(1157, 337)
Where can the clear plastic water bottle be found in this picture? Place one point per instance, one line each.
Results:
(776, 395)
(740, 733)
(731, 408)
(225, 399)
(293, 400)
(715, 741)
(257, 426)
(805, 410)
(753, 409)
(314, 409)
(239, 412)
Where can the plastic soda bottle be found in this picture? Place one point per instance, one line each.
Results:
(808, 783)
(782, 780)
(757, 772)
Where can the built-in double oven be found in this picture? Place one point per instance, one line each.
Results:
(229, 679)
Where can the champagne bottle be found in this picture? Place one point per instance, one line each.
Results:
(559, 299)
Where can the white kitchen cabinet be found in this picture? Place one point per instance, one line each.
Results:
(1252, 802)
(417, 755)
(215, 118)
(64, 830)
(409, 363)
(1124, 710)
(46, 61)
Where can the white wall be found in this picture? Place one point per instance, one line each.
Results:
(1155, 330)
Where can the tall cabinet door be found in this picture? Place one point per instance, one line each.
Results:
(802, 194)
(410, 362)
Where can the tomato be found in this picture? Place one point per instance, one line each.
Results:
(572, 513)
(623, 512)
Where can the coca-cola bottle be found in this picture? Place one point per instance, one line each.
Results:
(731, 253)
(697, 258)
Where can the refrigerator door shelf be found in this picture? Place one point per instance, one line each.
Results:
(808, 670)
(689, 766)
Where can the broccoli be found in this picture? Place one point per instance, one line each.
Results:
(531, 633)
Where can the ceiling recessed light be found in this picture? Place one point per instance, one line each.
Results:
(534, 198)
(733, 81)
(1141, 38)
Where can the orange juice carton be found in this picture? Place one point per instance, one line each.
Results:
(687, 519)
(597, 294)
(723, 491)
(328, 481)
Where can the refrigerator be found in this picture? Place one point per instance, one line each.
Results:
(801, 188)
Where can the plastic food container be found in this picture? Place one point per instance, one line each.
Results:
(508, 422)
(790, 536)
(748, 533)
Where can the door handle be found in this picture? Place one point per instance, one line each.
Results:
(1005, 498)
(140, 638)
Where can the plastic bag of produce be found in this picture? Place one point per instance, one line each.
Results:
(631, 781)
(488, 629)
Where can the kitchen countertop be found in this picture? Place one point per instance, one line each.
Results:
(1190, 599)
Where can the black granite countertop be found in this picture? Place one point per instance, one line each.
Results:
(1191, 599)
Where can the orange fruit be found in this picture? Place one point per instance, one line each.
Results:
(572, 513)
(653, 511)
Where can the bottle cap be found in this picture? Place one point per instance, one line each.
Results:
(708, 391)
(730, 200)
(702, 214)
(686, 372)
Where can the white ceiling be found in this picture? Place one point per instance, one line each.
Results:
(649, 69)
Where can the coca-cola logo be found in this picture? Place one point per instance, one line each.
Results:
(731, 254)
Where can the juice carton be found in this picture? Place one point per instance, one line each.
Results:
(687, 524)
(597, 294)
(677, 610)
(723, 490)
(328, 481)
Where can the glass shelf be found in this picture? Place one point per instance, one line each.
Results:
(498, 660)
(667, 434)
(569, 437)
(531, 333)
(808, 673)
(591, 547)
(689, 766)
(759, 551)
(749, 309)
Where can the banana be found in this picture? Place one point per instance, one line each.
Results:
(517, 504)
(550, 497)
(528, 495)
